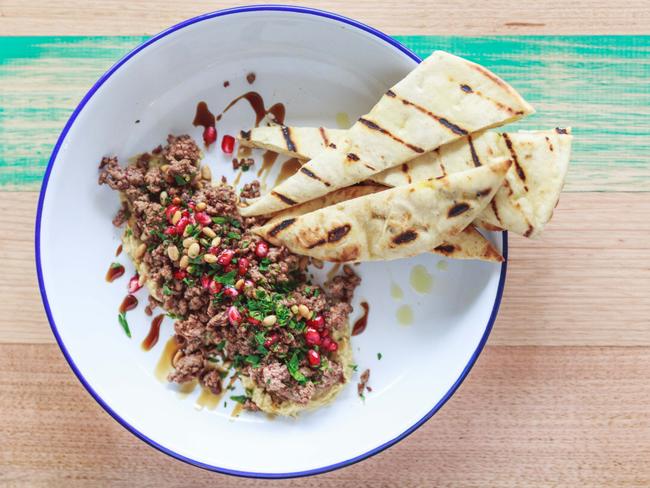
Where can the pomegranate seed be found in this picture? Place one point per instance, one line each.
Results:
(225, 257)
(253, 321)
(214, 250)
(191, 204)
(313, 357)
(324, 332)
(205, 281)
(317, 322)
(176, 201)
(270, 340)
(170, 211)
(234, 316)
(180, 274)
(181, 224)
(243, 264)
(326, 342)
(333, 347)
(230, 292)
(134, 283)
(261, 249)
(312, 338)
(170, 231)
(209, 135)
(202, 218)
(215, 287)
(228, 144)
(185, 213)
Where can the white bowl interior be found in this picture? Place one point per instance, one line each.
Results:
(317, 67)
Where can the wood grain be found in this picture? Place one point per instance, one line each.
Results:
(585, 282)
(597, 85)
(471, 17)
(526, 416)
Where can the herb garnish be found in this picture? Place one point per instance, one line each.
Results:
(121, 318)
(239, 398)
(294, 369)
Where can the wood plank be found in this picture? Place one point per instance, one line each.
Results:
(585, 282)
(598, 85)
(472, 17)
(527, 416)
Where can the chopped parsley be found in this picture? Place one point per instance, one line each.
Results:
(115, 265)
(121, 318)
(219, 220)
(166, 290)
(227, 279)
(294, 368)
(353, 366)
(253, 360)
(264, 264)
(180, 180)
(221, 345)
(233, 235)
(239, 398)
(379, 356)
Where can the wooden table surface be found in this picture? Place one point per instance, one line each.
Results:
(561, 394)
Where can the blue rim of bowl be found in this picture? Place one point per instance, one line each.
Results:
(41, 285)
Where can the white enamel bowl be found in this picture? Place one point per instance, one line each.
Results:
(317, 64)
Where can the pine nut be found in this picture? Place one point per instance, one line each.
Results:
(188, 242)
(177, 357)
(163, 197)
(184, 262)
(140, 250)
(294, 309)
(142, 279)
(209, 258)
(172, 252)
(216, 241)
(176, 217)
(304, 311)
(206, 174)
(186, 232)
(201, 206)
(164, 168)
(240, 284)
(194, 250)
(209, 232)
(269, 320)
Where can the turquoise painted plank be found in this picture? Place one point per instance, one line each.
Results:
(600, 85)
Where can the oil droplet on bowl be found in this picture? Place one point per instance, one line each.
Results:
(342, 120)
(164, 366)
(421, 280)
(442, 265)
(405, 315)
(207, 399)
(186, 388)
(396, 292)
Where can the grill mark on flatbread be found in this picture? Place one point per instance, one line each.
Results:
(371, 168)
(285, 199)
(319, 242)
(276, 229)
(338, 233)
(529, 231)
(245, 135)
(390, 93)
(458, 209)
(445, 248)
(444, 170)
(313, 175)
(323, 135)
(560, 130)
(550, 144)
(405, 170)
(373, 126)
(441, 120)
(352, 157)
(513, 153)
(472, 150)
(286, 133)
(495, 210)
(405, 237)
(483, 193)
(500, 105)
(466, 88)
(332, 145)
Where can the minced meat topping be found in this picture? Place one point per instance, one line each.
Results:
(237, 300)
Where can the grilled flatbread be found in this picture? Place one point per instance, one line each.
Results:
(467, 244)
(395, 223)
(531, 189)
(443, 99)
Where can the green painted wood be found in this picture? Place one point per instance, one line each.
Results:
(600, 85)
